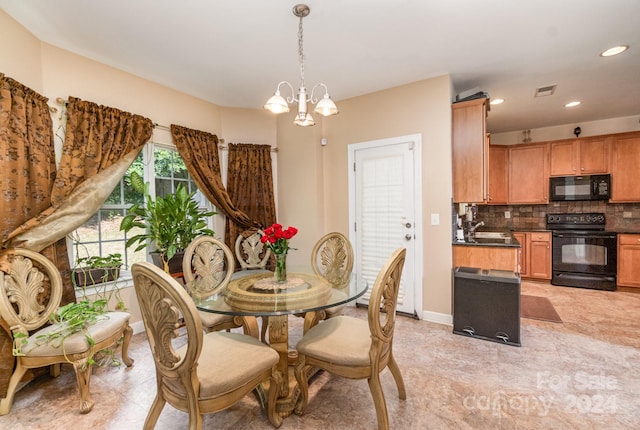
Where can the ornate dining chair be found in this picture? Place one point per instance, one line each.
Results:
(352, 348)
(253, 257)
(209, 372)
(331, 259)
(250, 251)
(207, 267)
(29, 294)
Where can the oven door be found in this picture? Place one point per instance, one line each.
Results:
(584, 259)
(584, 252)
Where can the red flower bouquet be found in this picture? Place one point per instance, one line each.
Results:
(277, 240)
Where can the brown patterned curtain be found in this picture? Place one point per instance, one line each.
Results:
(250, 186)
(199, 150)
(27, 163)
(100, 144)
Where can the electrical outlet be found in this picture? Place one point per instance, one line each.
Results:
(507, 214)
(627, 214)
(435, 219)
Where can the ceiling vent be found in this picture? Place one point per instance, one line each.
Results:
(546, 91)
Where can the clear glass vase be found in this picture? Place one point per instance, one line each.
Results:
(281, 268)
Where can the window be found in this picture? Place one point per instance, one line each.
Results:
(163, 168)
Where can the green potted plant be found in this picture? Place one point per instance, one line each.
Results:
(170, 224)
(96, 269)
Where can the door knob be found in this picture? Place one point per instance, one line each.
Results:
(407, 236)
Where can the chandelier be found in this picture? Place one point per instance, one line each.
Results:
(278, 104)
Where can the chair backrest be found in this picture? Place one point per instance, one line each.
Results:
(207, 266)
(31, 292)
(383, 302)
(250, 251)
(163, 302)
(332, 258)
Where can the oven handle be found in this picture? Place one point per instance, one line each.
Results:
(586, 236)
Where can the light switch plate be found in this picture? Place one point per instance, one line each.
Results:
(435, 219)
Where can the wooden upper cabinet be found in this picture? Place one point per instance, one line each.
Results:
(470, 151)
(498, 179)
(529, 174)
(576, 157)
(625, 165)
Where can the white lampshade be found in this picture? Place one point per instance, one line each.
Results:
(306, 122)
(277, 104)
(326, 106)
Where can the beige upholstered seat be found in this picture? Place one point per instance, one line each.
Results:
(353, 348)
(209, 372)
(331, 259)
(207, 267)
(29, 294)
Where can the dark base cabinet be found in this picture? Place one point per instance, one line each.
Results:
(486, 304)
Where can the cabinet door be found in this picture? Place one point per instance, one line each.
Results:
(563, 158)
(628, 260)
(594, 156)
(498, 178)
(470, 151)
(522, 254)
(625, 159)
(540, 255)
(529, 174)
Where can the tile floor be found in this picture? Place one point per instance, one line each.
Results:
(583, 373)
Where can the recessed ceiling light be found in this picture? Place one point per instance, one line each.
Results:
(614, 51)
(497, 101)
(572, 104)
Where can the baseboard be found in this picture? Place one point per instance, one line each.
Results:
(138, 327)
(437, 317)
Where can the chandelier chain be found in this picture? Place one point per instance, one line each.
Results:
(301, 52)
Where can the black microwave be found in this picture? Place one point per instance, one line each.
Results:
(572, 188)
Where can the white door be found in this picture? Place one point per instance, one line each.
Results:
(385, 211)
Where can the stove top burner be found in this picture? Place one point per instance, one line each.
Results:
(585, 221)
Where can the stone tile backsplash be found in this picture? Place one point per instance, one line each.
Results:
(620, 217)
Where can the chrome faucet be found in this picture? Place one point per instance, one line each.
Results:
(473, 228)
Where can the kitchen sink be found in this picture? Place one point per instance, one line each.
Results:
(491, 235)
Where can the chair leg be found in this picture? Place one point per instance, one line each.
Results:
(128, 332)
(302, 377)
(274, 384)
(154, 412)
(379, 402)
(54, 370)
(395, 371)
(83, 378)
(5, 403)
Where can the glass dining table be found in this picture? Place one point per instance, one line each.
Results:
(260, 295)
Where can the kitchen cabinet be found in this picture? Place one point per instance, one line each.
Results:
(535, 255)
(625, 159)
(470, 152)
(528, 174)
(498, 179)
(628, 260)
(576, 157)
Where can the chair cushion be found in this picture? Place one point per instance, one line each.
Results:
(228, 361)
(76, 343)
(209, 319)
(341, 340)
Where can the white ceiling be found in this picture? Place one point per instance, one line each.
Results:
(233, 53)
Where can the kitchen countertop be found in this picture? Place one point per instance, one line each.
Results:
(508, 242)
